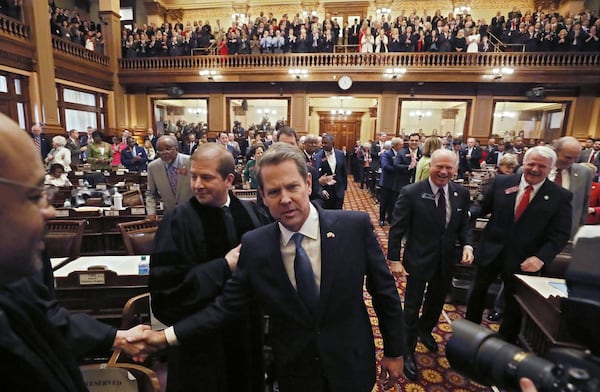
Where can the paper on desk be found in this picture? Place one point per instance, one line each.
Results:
(545, 286)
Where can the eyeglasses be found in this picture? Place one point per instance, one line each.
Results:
(47, 191)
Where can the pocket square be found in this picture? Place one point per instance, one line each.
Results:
(330, 234)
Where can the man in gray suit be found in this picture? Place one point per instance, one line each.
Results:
(168, 177)
(574, 177)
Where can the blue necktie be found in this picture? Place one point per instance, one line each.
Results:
(305, 280)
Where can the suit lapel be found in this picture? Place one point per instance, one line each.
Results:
(511, 196)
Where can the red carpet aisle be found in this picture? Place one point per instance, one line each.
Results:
(436, 375)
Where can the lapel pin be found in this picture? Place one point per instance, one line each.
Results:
(330, 234)
(455, 194)
(576, 174)
(546, 197)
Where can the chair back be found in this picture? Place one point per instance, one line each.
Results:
(119, 377)
(138, 236)
(63, 238)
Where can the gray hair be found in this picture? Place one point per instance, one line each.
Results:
(542, 151)
(444, 152)
(59, 141)
(566, 140)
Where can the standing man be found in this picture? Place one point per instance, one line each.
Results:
(310, 147)
(307, 271)
(472, 155)
(406, 161)
(134, 157)
(377, 150)
(74, 147)
(574, 177)
(591, 155)
(490, 149)
(432, 215)
(196, 251)
(530, 224)
(41, 142)
(388, 182)
(150, 136)
(332, 162)
(168, 177)
(224, 141)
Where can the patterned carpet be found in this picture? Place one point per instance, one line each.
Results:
(436, 375)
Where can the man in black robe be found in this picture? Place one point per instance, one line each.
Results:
(196, 250)
(40, 341)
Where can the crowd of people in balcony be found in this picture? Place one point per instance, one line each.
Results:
(515, 31)
(72, 26)
(11, 8)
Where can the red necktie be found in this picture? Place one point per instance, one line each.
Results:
(592, 157)
(558, 178)
(524, 202)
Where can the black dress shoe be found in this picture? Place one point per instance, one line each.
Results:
(495, 316)
(410, 367)
(428, 341)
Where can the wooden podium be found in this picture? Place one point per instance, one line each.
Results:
(542, 327)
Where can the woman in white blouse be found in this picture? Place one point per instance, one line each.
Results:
(59, 154)
(367, 41)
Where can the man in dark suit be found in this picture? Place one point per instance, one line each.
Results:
(520, 237)
(41, 142)
(472, 155)
(224, 141)
(307, 271)
(196, 250)
(377, 150)
(406, 161)
(490, 152)
(190, 145)
(433, 215)
(152, 137)
(74, 147)
(353, 32)
(388, 191)
(332, 162)
(134, 157)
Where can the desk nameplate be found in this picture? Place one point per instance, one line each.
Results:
(93, 278)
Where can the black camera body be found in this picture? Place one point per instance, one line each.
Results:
(486, 358)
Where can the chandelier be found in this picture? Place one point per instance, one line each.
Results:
(341, 111)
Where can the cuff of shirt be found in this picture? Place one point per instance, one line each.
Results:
(468, 247)
(170, 336)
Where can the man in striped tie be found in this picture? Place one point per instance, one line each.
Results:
(40, 141)
(530, 224)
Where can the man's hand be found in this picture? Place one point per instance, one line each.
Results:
(130, 341)
(397, 268)
(527, 385)
(324, 195)
(391, 370)
(232, 257)
(148, 343)
(327, 180)
(467, 255)
(532, 264)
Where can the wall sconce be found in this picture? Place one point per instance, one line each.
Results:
(420, 114)
(500, 72)
(394, 72)
(462, 10)
(383, 11)
(210, 74)
(298, 73)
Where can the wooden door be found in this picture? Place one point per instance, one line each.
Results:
(345, 130)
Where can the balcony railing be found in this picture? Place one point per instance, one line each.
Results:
(78, 51)
(356, 61)
(13, 27)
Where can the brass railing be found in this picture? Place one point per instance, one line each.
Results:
(356, 61)
(78, 51)
(13, 27)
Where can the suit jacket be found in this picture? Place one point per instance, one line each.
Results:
(45, 146)
(185, 148)
(543, 229)
(472, 163)
(581, 182)
(158, 185)
(388, 170)
(405, 174)
(341, 174)
(335, 344)
(428, 243)
(129, 163)
(74, 147)
(594, 219)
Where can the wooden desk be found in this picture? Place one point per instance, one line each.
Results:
(543, 326)
(101, 293)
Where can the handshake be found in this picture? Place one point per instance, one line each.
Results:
(139, 342)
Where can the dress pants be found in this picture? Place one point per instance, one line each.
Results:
(387, 199)
(484, 276)
(435, 297)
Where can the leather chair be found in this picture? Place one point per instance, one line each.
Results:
(63, 238)
(138, 236)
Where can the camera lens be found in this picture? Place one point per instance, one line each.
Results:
(484, 357)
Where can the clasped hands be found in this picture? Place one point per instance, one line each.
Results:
(139, 342)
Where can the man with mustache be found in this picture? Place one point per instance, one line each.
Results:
(530, 224)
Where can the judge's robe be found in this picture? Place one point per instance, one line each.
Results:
(187, 272)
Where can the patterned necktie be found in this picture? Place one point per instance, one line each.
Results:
(230, 227)
(305, 279)
(524, 202)
(592, 157)
(441, 206)
(558, 178)
(38, 143)
(172, 175)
